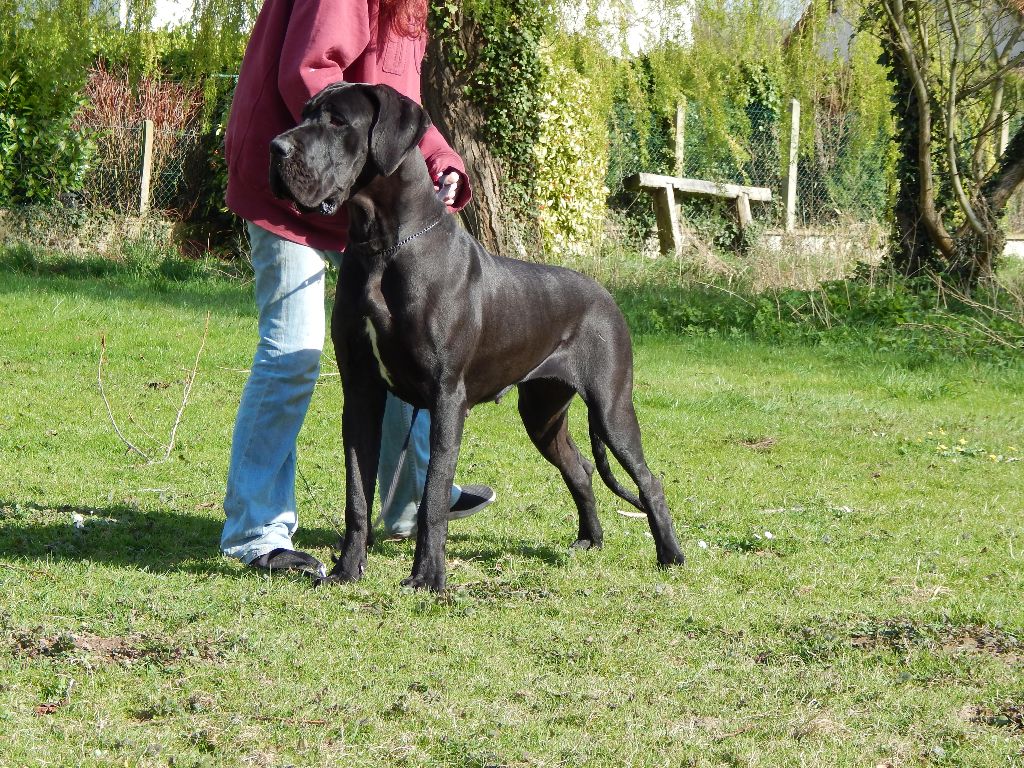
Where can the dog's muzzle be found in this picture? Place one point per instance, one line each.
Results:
(287, 172)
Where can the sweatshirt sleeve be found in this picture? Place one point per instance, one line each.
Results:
(441, 158)
(323, 38)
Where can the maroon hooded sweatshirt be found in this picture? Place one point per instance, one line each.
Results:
(297, 48)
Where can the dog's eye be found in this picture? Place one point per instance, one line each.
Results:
(337, 120)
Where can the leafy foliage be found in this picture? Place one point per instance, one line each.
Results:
(571, 161)
(503, 75)
(45, 46)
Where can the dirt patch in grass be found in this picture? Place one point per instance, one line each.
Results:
(901, 635)
(127, 649)
(826, 639)
(762, 443)
(1008, 715)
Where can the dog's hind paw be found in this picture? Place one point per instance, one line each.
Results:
(670, 558)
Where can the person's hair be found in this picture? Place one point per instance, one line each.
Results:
(406, 18)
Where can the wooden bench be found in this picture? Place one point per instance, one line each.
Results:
(664, 188)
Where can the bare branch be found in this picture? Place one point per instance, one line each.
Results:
(188, 389)
(110, 413)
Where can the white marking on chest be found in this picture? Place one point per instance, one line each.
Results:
(372, 333)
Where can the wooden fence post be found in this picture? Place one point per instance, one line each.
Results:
(789, 193)
(145, 178)
(680, 135)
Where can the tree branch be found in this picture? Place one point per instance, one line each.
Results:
(958, 187)
(1008, 177)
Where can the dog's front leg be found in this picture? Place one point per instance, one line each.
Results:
(447, 419)
(362, 413)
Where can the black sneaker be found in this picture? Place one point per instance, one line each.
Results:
(472, 499)
(289, 561)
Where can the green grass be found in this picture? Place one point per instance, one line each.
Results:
(880, 623)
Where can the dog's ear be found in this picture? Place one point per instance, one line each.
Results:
(397, 129)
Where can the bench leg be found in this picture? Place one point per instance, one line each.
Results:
(667, 215)
(743, 211)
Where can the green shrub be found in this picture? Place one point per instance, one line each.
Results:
(45, 48)
(913, 319)
(571, 161)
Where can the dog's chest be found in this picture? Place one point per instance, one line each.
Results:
(393, 341)
(371, 333)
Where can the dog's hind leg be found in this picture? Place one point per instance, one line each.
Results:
(613, 421)
(544, 408)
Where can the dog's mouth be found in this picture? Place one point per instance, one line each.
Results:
(326, 207)
(284, 187)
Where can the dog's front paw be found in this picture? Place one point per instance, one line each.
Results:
(345, 569)
(434, 581)
(583, 544)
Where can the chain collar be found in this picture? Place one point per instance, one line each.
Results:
(388, 252)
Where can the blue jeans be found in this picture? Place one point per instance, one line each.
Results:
(260, 498)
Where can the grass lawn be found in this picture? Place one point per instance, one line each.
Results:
(854, 529)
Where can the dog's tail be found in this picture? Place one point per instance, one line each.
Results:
(604, 469)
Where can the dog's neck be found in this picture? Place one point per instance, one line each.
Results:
(388, 209)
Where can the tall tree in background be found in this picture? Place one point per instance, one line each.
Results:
(952, 64)
(481, 79)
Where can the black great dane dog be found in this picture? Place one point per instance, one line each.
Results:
(423, 310)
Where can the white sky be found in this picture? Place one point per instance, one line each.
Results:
(171, 12)
(645, 21)
(643, 27)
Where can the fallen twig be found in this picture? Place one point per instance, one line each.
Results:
(289, 720)
(110, 412)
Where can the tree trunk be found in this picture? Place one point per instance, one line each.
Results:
(978, 254)
(461, 121)
(931, 190)
(912, 252)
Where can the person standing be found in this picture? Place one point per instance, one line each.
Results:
(297, 48)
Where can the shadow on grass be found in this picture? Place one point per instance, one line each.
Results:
(171, 541)
(119, 535)
(483, 547)
(221, 297)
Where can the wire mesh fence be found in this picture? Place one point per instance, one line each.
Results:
(841, 171)
(115, 180)
(842, 175)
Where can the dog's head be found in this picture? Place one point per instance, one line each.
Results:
(349, 134)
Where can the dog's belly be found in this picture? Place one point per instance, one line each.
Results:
(488, 380)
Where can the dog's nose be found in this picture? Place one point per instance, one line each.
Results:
(281, 147)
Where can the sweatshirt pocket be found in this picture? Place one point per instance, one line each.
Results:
(396, 54)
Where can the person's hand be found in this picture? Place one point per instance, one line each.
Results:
(447, 187)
